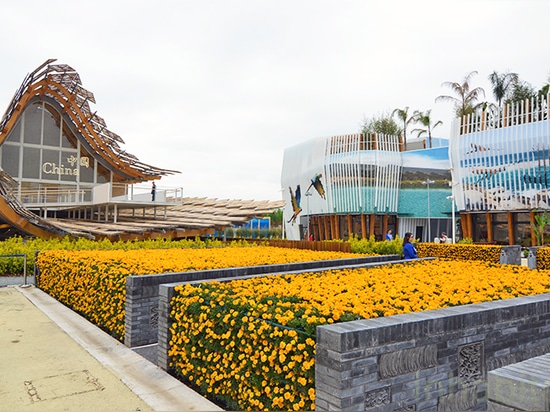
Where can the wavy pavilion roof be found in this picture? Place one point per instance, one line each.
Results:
(187, 217)
(62, 83)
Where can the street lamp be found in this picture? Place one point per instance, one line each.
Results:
(429, 182)
(452, 199)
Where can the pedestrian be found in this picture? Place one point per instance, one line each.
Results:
(409, 252)
(389, 235)
(153, 191)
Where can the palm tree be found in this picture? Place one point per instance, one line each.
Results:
(502, 82)
(424, 118)
(465, 102)
(403, 115)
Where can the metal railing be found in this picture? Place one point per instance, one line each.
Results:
(24, 256)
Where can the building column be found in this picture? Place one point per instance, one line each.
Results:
(489, 221)
(364, 233)
(511, 231)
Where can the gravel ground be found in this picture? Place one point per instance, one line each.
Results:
(15, 280)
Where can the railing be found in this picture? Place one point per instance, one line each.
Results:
(49, 195)
(24, 256)
(494, 117)
(116, 192)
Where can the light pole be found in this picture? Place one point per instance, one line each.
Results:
(452, 199)
(429, 182)
(308, 194)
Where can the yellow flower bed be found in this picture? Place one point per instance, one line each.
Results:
(251, 343)
(543, 258)
(93, 282)
(487, 253)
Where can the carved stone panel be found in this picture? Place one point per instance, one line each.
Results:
(470, 363)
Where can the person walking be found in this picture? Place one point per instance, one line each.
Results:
(389, 235)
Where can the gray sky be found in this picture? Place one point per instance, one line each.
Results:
(218, 89)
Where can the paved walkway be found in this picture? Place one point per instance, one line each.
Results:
(53, 360)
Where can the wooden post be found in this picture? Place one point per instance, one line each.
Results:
(350, 226)
(489, 221)
(335, 227)
(326, 224)
(511, 232)
(364, 233)
(372, 219)
(465, 219)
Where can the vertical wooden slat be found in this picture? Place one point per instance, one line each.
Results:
(326, 223)
(372, 219)
(364, 233)
(489, 220)
(511, 235)
(350, 226)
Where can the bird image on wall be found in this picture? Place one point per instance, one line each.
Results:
(316, 183)
(295, 200)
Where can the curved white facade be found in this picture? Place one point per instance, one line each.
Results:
(350, 174)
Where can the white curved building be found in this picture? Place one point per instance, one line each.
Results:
(364, 185)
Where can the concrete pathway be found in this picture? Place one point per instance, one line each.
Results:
(52, 359)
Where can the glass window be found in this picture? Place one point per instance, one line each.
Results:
(68, 140)
(10, 160)
(69, 167)
(500, 227)
(31, 163)
(479, 222)
(50, 164)
(522, 229)
(15, 134)
(86, 162)
(103, 175)
(51, 130)
(33, 124)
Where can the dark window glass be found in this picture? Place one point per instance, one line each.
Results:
(86, 167)
(500, 227)
(103, 175)
(69, 167)
(479, 221)
(10, 160)
(33, 124)
(31, 163)
(50, 165)
(51, 130)
(15, 134)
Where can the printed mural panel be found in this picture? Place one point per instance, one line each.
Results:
(503, 169)
(419, 167)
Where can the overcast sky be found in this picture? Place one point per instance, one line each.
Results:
(218, 89)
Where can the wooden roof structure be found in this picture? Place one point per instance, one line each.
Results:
(60, 84)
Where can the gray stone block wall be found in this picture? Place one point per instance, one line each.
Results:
(142, 292)
(434, 360)
(511, 255)
(521, 386)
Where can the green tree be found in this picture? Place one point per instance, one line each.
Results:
(502, 83)
(466, 97)
(541, 221)
(424, 118)
(383, 124)
(403, 116)
(521, 91)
